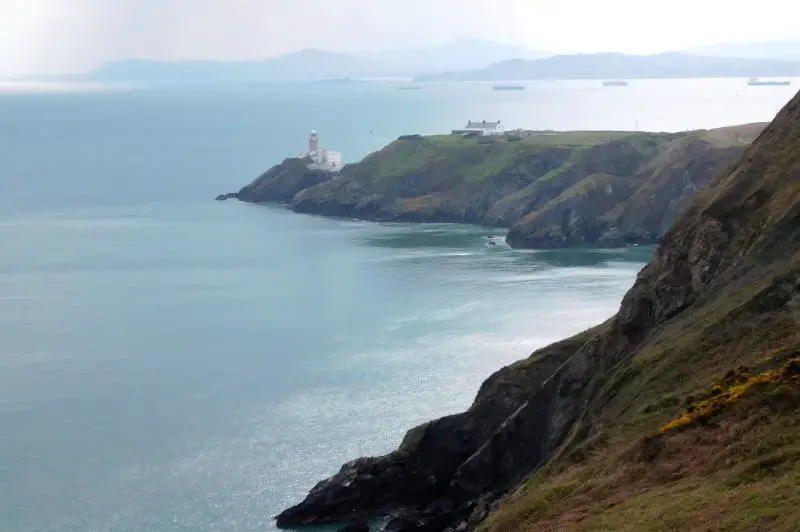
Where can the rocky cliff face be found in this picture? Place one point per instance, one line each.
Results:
(610, 210)
(282, 182)
(582, 434)
(552, 190)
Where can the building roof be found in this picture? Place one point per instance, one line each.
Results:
(482, 125)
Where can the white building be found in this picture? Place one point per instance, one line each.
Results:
(482, 128)
(322, 158)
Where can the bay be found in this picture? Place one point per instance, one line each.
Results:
(173, 363)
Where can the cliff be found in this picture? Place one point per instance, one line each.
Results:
(678, 413)
(550, 189)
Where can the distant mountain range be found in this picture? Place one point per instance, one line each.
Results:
(312, 64)
(785, 50)
(460, 60)
(461, 54)
(616, 65)
(305, 65)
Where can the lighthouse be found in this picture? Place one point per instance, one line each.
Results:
(321, 158)
(313, 142)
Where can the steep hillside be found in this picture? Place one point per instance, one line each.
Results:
(679, 413)
(552, 189)
(281, 182)
(610, 210)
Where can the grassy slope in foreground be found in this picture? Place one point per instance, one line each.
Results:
(552, 189)
(679, 413)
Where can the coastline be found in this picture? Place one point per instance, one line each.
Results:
(548, 189)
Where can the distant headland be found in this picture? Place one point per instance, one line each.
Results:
(622, 66)
(550, 189)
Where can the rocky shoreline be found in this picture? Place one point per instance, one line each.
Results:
(447, 473)
(554, 190)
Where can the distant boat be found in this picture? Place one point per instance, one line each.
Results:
(755, 82)
(615, 83)
(410, 87)
(509, 87)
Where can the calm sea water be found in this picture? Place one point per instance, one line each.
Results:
(172, 363)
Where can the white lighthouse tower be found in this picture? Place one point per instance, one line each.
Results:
(313, 142)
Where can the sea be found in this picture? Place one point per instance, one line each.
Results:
(172, 363)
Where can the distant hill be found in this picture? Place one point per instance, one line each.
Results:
(784, 50)
(305, 65)
(311, 65)
(617, 65)
(460, 54)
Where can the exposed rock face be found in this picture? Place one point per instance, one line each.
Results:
(612, 211)
(674, 177)
(428, 464)
(731, 260)
(552, 191)
(280, 183)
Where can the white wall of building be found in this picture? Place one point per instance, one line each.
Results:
(333, 158)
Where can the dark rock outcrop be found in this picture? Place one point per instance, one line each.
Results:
(358, 525)
(730, 263)
(429, 466)
(280, 183)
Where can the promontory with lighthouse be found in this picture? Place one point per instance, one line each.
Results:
(550, 189)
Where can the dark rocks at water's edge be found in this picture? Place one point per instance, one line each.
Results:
(357, 525)
(613, 238)
(446, 470)
(722, 292)
(551, 191)
(282, 182)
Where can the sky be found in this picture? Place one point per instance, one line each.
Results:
(61, 36)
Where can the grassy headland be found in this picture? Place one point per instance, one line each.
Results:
(551, 188)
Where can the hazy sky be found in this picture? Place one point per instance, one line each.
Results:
(48, 36)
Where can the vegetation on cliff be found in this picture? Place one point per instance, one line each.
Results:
(679, 413)
(551, 189)
(739, 383)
